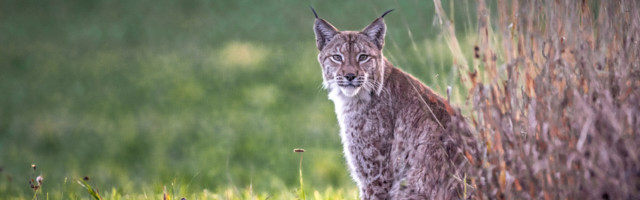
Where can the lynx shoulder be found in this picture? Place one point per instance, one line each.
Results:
(399, 137)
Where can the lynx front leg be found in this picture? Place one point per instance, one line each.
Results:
(377, 178)
(377, 189)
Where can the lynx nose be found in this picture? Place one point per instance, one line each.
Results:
(350, 76)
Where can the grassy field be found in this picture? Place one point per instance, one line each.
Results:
(205, 98)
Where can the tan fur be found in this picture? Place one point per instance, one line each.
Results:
(397, 133)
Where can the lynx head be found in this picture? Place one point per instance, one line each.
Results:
(352, 61)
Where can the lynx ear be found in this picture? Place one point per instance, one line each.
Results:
(324, 31)
(376, 30)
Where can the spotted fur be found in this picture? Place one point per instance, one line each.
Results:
(396, 132)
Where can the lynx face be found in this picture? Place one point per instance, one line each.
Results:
(352, 61)
(350, 64)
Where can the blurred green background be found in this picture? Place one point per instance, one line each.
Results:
(206, 94)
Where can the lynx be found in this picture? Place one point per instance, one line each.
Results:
(399, 136)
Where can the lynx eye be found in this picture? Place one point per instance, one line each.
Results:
(363, 57)
(337, 58)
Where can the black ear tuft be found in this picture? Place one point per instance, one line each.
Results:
(316, 14)
(383, 14)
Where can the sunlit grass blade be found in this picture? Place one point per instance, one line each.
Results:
(85, 185)
(302, 195)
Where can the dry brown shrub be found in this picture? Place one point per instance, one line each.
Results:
(556, 109)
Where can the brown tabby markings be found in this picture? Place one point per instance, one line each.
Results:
(394, 128)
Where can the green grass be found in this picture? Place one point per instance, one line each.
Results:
(87, 188)
(205, 98)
